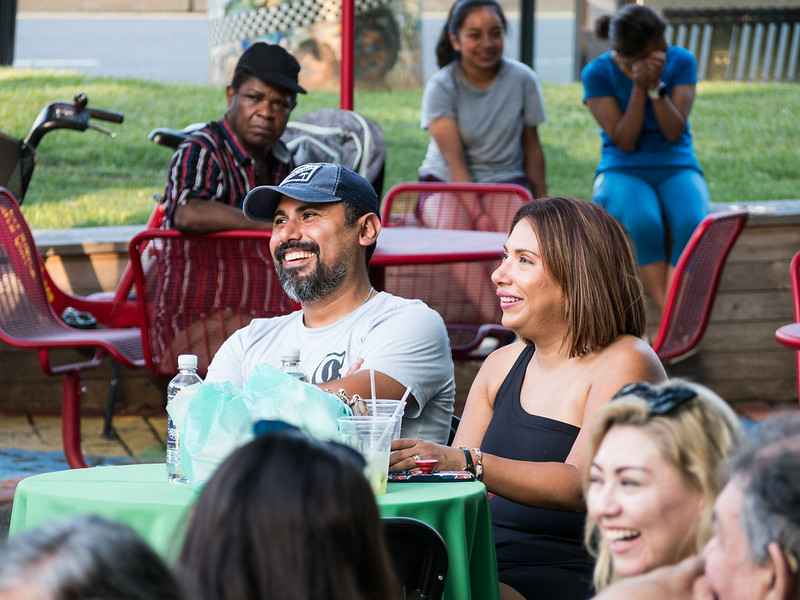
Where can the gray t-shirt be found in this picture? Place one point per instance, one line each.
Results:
(490, 121)
(404, 339)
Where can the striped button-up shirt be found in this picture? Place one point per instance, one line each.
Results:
(213, 165)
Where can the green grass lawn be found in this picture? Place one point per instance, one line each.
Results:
(746, 137)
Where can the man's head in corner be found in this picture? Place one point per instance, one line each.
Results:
(261, 95)
(754, 552)
(325, 223)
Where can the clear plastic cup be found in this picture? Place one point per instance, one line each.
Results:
(388, 408)
(372, 437)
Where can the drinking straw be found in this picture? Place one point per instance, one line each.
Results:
(405, 395)
(372, 382)
(385, 432)
(400, 408)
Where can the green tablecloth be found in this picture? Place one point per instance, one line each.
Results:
(140, 496)
(459, 511)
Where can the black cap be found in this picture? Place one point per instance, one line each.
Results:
(312, 182)
(272, 64)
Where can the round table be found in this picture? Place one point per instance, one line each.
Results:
(140, 496)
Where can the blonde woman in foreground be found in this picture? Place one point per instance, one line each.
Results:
(652, 476)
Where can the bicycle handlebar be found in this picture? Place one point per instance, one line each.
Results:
(17, 157)
(106, 115)
(70, 115)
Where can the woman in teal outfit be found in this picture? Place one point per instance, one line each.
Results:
(649, 179)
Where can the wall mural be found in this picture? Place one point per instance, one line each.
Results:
(387, 39)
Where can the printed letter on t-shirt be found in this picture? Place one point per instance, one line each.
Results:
(329, 368)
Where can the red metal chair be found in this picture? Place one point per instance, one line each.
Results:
(110, 309)
(28, 320)
(461, 292)
(788, 334)
(193, 291)
(694, 287)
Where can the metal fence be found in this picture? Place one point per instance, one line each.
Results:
(739, 44)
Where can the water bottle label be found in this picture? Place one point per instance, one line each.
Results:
(172, 433)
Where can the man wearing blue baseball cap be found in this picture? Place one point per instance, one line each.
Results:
(212, 171)
(326, 222)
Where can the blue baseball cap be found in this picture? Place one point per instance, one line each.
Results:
(312, 182)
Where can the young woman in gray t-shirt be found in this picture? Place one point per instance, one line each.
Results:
(481, 109)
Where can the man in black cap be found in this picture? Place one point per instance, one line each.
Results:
(214, 169)
(326, 223)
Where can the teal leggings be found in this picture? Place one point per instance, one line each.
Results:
(654, 205)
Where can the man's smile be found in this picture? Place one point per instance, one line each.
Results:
(295, 254)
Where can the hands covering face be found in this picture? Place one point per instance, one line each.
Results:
(646, 72)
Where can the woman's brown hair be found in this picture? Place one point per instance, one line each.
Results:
(588, 254)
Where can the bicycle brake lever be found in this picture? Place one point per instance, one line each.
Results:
(108, 132)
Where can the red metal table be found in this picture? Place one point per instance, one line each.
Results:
(419, 246)
(789, 335)
(416, 245)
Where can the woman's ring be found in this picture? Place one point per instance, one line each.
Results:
(415, 457)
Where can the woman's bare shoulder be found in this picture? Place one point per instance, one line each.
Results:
(506, 354)
(636, 354)
(630, 344)
(499, 362)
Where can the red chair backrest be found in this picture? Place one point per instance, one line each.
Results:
(444, 206)
(111, 309)
(694, 287)
(405, 204)
(794, 274)
(193, 292)
(25, 311)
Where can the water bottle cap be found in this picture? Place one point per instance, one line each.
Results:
(187, 361)
(291, 355)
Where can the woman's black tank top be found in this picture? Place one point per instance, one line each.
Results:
(537, 549)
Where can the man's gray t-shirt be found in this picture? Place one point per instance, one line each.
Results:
(404, 339)
(490, 121)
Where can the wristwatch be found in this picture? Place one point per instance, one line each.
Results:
(659, 93)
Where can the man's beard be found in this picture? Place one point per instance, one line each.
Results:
(315, 286)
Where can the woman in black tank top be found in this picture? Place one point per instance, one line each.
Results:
(569, 289)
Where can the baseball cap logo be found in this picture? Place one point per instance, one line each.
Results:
(302, 174)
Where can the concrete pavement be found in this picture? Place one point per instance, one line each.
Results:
(31, 444)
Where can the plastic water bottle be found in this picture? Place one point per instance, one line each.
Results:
(290, 364)
(187, 375)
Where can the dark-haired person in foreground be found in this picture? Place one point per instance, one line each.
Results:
(214, 169)
(83, 557)
(287, 517)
